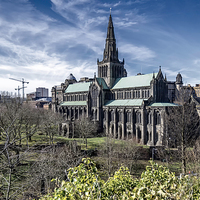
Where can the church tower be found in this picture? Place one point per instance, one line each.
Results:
(110, 68)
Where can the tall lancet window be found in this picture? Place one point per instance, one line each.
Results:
(94, 95)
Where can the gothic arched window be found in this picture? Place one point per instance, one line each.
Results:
(94, 114)
(138, 117)
(112, 115)
(94, 95)
(128, 116)
(120, 116)
(149, 120)
(157, 118)
(104, 115)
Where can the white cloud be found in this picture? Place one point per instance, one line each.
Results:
(196, 62)
(34, 44)
(110, 5)
(124, 24)
(137, 53)
(117, 4)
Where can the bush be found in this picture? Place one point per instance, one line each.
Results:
(157, 182)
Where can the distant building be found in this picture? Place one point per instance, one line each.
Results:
(42, 92)
(5, 99)
(40, 98)
(30, 96)
(125, 107)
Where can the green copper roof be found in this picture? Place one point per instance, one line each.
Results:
(125, 102)
(74, 103)
(78, 87)
(102, 81)
(134, 81)
(163, 104)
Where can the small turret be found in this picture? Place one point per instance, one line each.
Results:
(70, 79)
(179, 81)
(165, 77)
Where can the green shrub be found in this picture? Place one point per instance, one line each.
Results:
(157, 182)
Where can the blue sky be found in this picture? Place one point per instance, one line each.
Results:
(43, 41)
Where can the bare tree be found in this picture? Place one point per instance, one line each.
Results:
(116, 152)
(183, 124)
(85, 128)
(11, 168)
(31, 120)
(11, 118)
(52, 163)
(49, 123)
(13, 153)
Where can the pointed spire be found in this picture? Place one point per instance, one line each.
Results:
(165, 77)
(110, 51)
(110, 32)
(110, 68)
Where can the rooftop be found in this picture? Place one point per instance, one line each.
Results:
(125, 102)
(134, 81)
(74, 103)
(78, 87)
(163, 104)
(101, 81)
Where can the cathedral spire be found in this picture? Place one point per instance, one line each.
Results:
(110, 32)
(110, 68)
(110, 51)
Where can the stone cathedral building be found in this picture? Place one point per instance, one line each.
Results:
(126, 107)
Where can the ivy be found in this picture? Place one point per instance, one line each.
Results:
(156, 182)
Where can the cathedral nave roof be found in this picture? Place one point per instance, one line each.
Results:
(78, 87)
(134, 81)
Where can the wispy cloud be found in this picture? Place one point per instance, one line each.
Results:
(136, 2)
(34, 46)
(70, 35)
(137, 53)
(111, 5)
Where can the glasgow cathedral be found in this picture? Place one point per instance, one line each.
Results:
(126, 107)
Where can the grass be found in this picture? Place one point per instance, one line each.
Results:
(136, 166)
(93, 143)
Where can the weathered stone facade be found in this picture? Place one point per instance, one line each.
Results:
(126, 107)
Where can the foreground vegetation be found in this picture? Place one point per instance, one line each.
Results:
(157, 182)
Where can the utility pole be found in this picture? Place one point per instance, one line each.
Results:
(22, 81)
